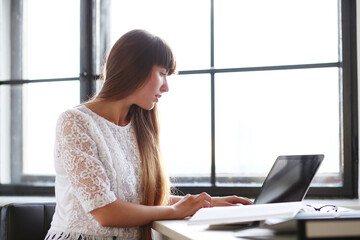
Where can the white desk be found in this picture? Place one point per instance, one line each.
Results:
(180, 230)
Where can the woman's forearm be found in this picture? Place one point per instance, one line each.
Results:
(127, 214)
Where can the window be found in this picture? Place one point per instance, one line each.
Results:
(257, 79)
(39, 79)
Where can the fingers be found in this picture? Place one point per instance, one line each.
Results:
(206, 198)
(202, 199)
(236, 200)
(206, 204)
(243, 200)
(230, 201)
(190, 204)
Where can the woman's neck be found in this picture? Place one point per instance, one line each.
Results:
(115, 111)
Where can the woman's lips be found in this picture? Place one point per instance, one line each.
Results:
(157, 97)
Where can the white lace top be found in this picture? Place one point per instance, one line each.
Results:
(96, 162)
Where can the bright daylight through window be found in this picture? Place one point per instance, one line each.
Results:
(259, 115)
(250, 114)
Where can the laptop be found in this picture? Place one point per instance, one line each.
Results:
(289, 179)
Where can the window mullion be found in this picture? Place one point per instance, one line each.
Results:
(16, 92)
(87, 48)
(213, 168)
(349, 97)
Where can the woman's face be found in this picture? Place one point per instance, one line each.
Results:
(155, 85)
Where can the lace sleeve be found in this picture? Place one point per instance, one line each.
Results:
(78, 154)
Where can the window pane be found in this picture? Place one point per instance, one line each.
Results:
(42, 105)
(185, 25)
(51, 38)
(277, 32)
(5, 136)
(185, 120)
(260, 115)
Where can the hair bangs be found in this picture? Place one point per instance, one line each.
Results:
(164, 56)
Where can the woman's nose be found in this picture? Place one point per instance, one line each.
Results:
(165, 86)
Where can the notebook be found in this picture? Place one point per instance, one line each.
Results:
(289, 179)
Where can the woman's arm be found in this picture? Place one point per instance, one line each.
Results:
(126, 214)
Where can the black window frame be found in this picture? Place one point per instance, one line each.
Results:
(91, 40)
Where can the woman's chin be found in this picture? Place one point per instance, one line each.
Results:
(148, 107)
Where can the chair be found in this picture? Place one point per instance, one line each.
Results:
(29, 221)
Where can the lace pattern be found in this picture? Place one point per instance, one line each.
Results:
(96, 163)
(78, 236)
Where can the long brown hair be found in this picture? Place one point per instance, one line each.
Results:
(127, 67)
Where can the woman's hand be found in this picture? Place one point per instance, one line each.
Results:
(230, 201)
(190, 204)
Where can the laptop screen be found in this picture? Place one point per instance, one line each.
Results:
(289, 179)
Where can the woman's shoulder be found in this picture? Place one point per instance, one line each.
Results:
(75, 115)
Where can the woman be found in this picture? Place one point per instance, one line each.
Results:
(110, 181)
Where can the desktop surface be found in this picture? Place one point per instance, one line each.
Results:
(180, 230)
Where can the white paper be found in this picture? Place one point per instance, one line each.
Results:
(244, 213)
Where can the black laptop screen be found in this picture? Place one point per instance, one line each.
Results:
(289, 179)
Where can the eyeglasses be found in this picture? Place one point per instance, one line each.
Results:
(324, 208)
